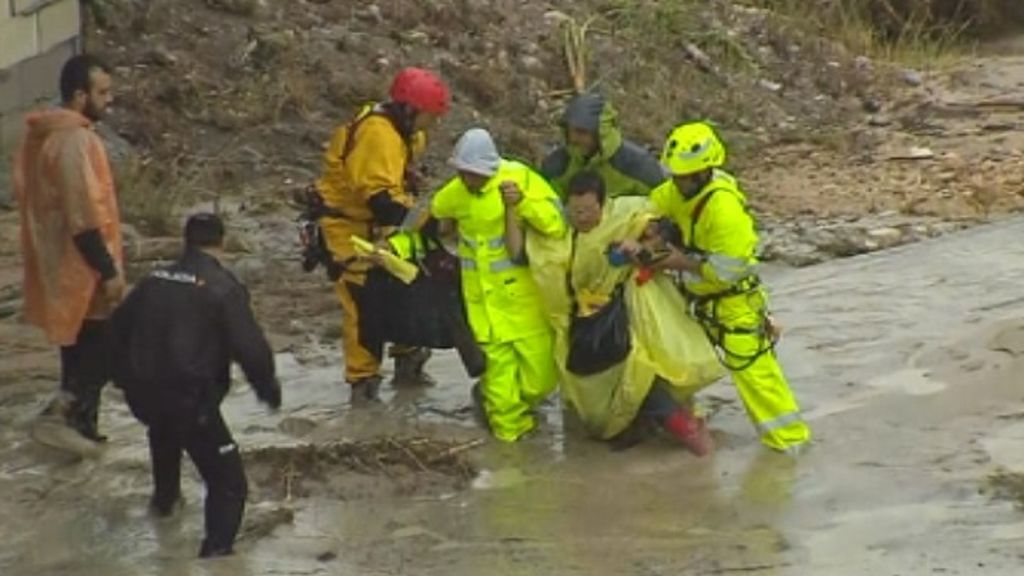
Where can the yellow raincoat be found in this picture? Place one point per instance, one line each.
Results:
(666, 341)
(503, 306)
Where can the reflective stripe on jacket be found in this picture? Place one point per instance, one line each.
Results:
(723, 231)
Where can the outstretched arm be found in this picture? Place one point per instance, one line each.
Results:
(249, 347)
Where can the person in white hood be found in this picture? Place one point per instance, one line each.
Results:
(493, 201)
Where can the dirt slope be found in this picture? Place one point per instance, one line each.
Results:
(229, 101)
(234, 99)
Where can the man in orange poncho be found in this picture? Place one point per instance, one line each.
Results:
(71, 238)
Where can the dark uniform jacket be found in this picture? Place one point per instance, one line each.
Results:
(176, 335)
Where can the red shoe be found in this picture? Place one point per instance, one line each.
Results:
(691, 431)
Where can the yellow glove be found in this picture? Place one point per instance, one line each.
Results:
(404, 271)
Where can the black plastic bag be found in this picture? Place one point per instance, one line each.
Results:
(601, 340)
(407, 314)
(428, 312)
(443, 275)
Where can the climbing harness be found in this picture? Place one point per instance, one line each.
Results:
(705, 307)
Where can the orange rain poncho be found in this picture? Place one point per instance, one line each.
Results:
(64, 186)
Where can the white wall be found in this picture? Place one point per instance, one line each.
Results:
(36, 38)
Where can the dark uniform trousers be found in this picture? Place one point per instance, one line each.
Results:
(177, 334)
(209, 444)
(85, 369)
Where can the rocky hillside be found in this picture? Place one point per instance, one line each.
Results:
(259, 84)
(233, 99)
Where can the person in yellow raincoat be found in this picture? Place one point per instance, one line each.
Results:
(491, 201)
(669, 358)
(717, 264)
(365, 186)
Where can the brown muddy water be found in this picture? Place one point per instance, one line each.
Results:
(908, 364)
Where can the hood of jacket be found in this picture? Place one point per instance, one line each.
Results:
(45, 122)
(591, 112)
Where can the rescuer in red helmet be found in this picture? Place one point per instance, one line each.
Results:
(367, 187)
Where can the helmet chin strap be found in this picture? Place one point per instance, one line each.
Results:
(705, 178)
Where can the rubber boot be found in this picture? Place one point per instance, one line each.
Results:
(691, 431)
(366, 389)
(208, 550)
(85, 416)
(409, 366)
(479, 412)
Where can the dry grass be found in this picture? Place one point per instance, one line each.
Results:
(297, 92)
(289, 471)
(151, 197)
(1006, 485)
(973, 17)
(925, 33)
(277, 71)
(154, 198)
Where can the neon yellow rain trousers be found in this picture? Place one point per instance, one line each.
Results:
(732, 306)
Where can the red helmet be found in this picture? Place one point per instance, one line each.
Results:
(422, 90)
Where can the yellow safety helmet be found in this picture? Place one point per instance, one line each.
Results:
(691, 148)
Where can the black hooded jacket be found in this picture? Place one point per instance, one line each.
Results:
(626, 168)
(177, 333)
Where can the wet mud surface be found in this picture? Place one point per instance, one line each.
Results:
(907, 364)
(411, 465)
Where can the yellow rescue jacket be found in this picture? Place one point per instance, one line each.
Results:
(502, 300)
(715, 224)
(364, 157)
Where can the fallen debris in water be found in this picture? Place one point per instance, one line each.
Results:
(290, 471)
(261, 522)
(1006, 485)
(327, 556)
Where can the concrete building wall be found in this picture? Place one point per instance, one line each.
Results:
(36, 38)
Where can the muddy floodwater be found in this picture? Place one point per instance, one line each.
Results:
(908, 365)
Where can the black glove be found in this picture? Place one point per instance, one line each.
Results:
(272, 396)
(670, 232)
(645, 257)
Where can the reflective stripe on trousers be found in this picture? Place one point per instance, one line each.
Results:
(780, 422)
(762, 385)
(730, 269)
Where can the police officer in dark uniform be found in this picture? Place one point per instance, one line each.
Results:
(175, 337)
